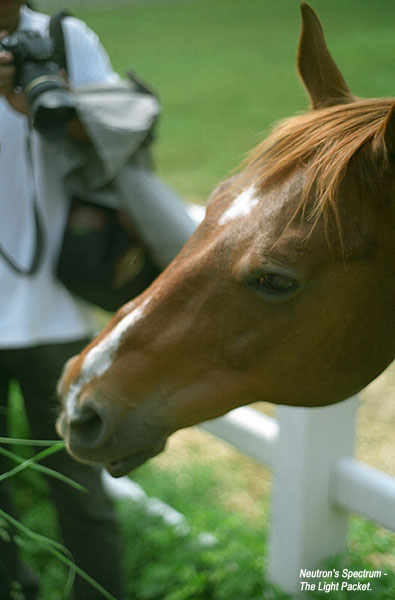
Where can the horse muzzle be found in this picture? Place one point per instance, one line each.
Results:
(95, 432)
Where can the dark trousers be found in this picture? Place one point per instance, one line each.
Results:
(87, 520)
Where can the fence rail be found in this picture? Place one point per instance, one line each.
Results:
(359, 488)
(317, 482)
(248, 430)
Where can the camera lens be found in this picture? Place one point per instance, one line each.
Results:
(51, 104)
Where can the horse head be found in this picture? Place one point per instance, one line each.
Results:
(285, 292)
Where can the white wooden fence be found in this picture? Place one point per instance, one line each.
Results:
(317, 482)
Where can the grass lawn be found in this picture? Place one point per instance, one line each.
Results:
(225, 71)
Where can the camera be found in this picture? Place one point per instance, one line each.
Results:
(37, 74)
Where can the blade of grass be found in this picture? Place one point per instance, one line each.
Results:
(27, 442)
(57, 550)
(37, 457)
(44, 541)
(43, 470)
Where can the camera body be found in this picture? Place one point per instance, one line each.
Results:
(37, 74)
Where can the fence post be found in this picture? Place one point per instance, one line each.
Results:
(306, 528)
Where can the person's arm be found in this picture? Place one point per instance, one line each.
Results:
(87, 60)
(88, 63)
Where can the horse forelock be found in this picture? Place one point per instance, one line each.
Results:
(333, 146)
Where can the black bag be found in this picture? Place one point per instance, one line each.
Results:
(102, 260)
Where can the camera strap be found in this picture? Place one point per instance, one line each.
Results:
(56, 32)
(39, 233)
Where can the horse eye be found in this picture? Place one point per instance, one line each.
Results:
(274, 283)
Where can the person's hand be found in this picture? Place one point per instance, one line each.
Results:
(15, 98)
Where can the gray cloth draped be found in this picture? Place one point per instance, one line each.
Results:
(114, 169)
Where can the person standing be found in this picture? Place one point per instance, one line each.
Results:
(41, 323)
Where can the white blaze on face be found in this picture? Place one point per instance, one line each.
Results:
(99, 358)
(241, 206)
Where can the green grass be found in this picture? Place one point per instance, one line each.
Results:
(225, 71)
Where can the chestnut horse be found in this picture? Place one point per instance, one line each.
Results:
(285, 292)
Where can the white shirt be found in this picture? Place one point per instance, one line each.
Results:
(37, 309)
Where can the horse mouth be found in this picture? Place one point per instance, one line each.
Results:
(122, 466)
(118, 468)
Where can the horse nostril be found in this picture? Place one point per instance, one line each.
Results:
(88, 427)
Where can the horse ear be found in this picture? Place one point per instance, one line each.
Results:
(389, 132)
(321, 77)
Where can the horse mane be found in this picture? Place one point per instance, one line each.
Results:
(325, 143)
